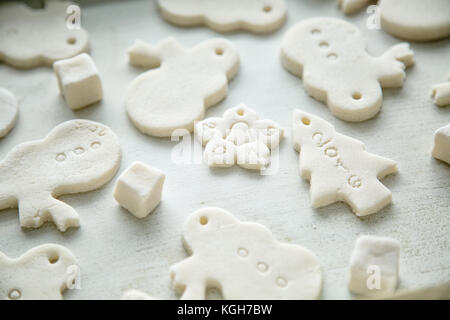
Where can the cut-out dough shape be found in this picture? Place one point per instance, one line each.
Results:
(441, 148)
(29, 38)
(259, 16)
(137, 295)
(8, 111)
(244, 259)
(187, 82)
(76, 156)
(330, 55)
(441, 93)
(374, 266)
(416, 20)
(239, 137)
(351, 6)
(42, 273)
(338, 167)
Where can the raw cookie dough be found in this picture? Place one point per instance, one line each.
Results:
(374, 266)
(8, 111)
(42, 273)
(338, 167)
(238, 137)
(330, 54)
(441, 93)
(416, 20)
(136, 295)
(187, 82)
(244, 260)
(78, 81)
(139, 189)
(223, 16)
(29, 38)
(351, 6)
(76, 156)
(441, 148)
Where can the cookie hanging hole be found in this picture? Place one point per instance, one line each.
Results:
(240, 112)
(219, 51)
(267, 8)
(332, 56)
(14, 294)
(203, 220)
(306, 121)
(54, 258)
(71, 41)
(356, 95)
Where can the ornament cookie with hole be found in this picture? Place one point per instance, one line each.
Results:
(259, 16)
(42, 273)
(76, 156)
(238, 137)
(330, 55)
(338, 167)
(8, 111)
(244, 260)
(185, 84)
(29, 38)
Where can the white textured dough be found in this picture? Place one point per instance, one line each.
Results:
(42, 273)
(239, 137)
(338, 167)
(29, 38)
(441, 147)
(416, 20)
(187, 82)
(330, 55)
(374, 266)
(257, 16)
(244, 260)
(139, 189)
(76, 156)
(441, 93)
(9, 111)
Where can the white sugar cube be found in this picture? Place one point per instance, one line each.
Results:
(374, 266)
(78, 81)
(139, 189)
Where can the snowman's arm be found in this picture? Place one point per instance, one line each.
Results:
(390, 66)
(187, 275)
(7, 199)
(142, 54)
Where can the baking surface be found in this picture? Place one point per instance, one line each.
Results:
(116, 251)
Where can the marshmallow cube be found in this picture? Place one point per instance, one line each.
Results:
(441, 147)
(78, 81)
(139, 189)
(374, 266)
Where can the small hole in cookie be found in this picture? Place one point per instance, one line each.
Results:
(356, 95)
(60, 157)
(332, 56)
(219, 51)
(203, 220)
(306, 121)
(324, 45)
(78, 150)
(281, 282)
(95, 145)
(53, 259)
(267, 8)
(315, 32)
(242, 252)
(71, 40)
(14, 294)
(240, 112)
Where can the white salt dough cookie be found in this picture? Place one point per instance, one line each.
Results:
(257, 16)
(330, 55)
(374, 266)
(416, 20)
(29, 38)
(137, 295)
(139, 189)
(187, 82)
(338, 167)
(441, 93)
(238, 137)
(351, 6)
(8, 111)
(441, 148)
(78, 81)
(42, 273)
(76, 156)
(244, 259)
